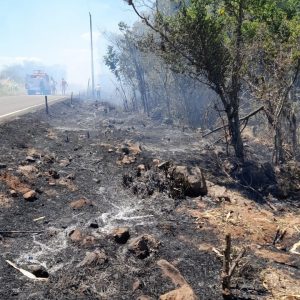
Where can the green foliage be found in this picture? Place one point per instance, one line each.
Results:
(111, 60)
(205, 31)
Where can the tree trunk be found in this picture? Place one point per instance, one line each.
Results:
(278, 149)
(234, 101)
(236, 137)
(293, 126)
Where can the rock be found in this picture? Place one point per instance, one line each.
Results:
(137, 284)
(156, 162)
(296, 248)
(77, 204)
(141, 168)
(135, 149)
(13, 193)
(121, 235)
(3, 166)
(64, 163)
(143, 246)
(30, 196)
(88, 241)
(110, 150)
(39, 271)
(126, 160)
(30, 159)
(191, 180)
(75, 235)
(183, 293)
(95, 258)
(35, 153)
(171, 272)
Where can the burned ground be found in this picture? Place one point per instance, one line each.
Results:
(76, 160)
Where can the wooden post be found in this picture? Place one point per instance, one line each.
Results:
(71, 98)
(46, 103)
(92, 58)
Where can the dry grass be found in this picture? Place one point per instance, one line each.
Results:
(281, 284)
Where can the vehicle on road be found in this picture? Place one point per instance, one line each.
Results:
(38, 83)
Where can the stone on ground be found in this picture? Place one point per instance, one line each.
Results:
(30, 196)
(143, 246)
(183, 293)
(121, 235)
(77, 204)
(95, 258)
(192, 180)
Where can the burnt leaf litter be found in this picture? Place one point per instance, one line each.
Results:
(104, 204)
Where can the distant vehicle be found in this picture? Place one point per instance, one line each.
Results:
(38, 83)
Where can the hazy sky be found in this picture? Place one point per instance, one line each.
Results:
(57, 32)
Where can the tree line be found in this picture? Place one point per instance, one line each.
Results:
(239, 57)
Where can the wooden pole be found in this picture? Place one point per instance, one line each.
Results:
(46, 103)
(71, 100)
(92, 58)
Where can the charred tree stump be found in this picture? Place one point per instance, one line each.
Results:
(229, 267)
(226, 267)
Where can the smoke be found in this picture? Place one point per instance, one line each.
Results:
(18, 71)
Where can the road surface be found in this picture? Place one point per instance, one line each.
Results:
(11, 106)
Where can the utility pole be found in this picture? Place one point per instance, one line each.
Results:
(92, 58)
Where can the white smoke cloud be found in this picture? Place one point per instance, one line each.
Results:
(10, 60)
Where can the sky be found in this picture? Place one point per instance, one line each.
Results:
(57, 32)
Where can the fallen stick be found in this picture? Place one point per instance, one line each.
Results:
(279, 236)
(18, 231)
(39, 219)
(241, 120)
(24, 272)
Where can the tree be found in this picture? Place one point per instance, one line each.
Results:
(209, 49)
(125, 62)
(208, 40)
(273, 65)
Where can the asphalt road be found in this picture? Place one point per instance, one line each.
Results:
(11, 106)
